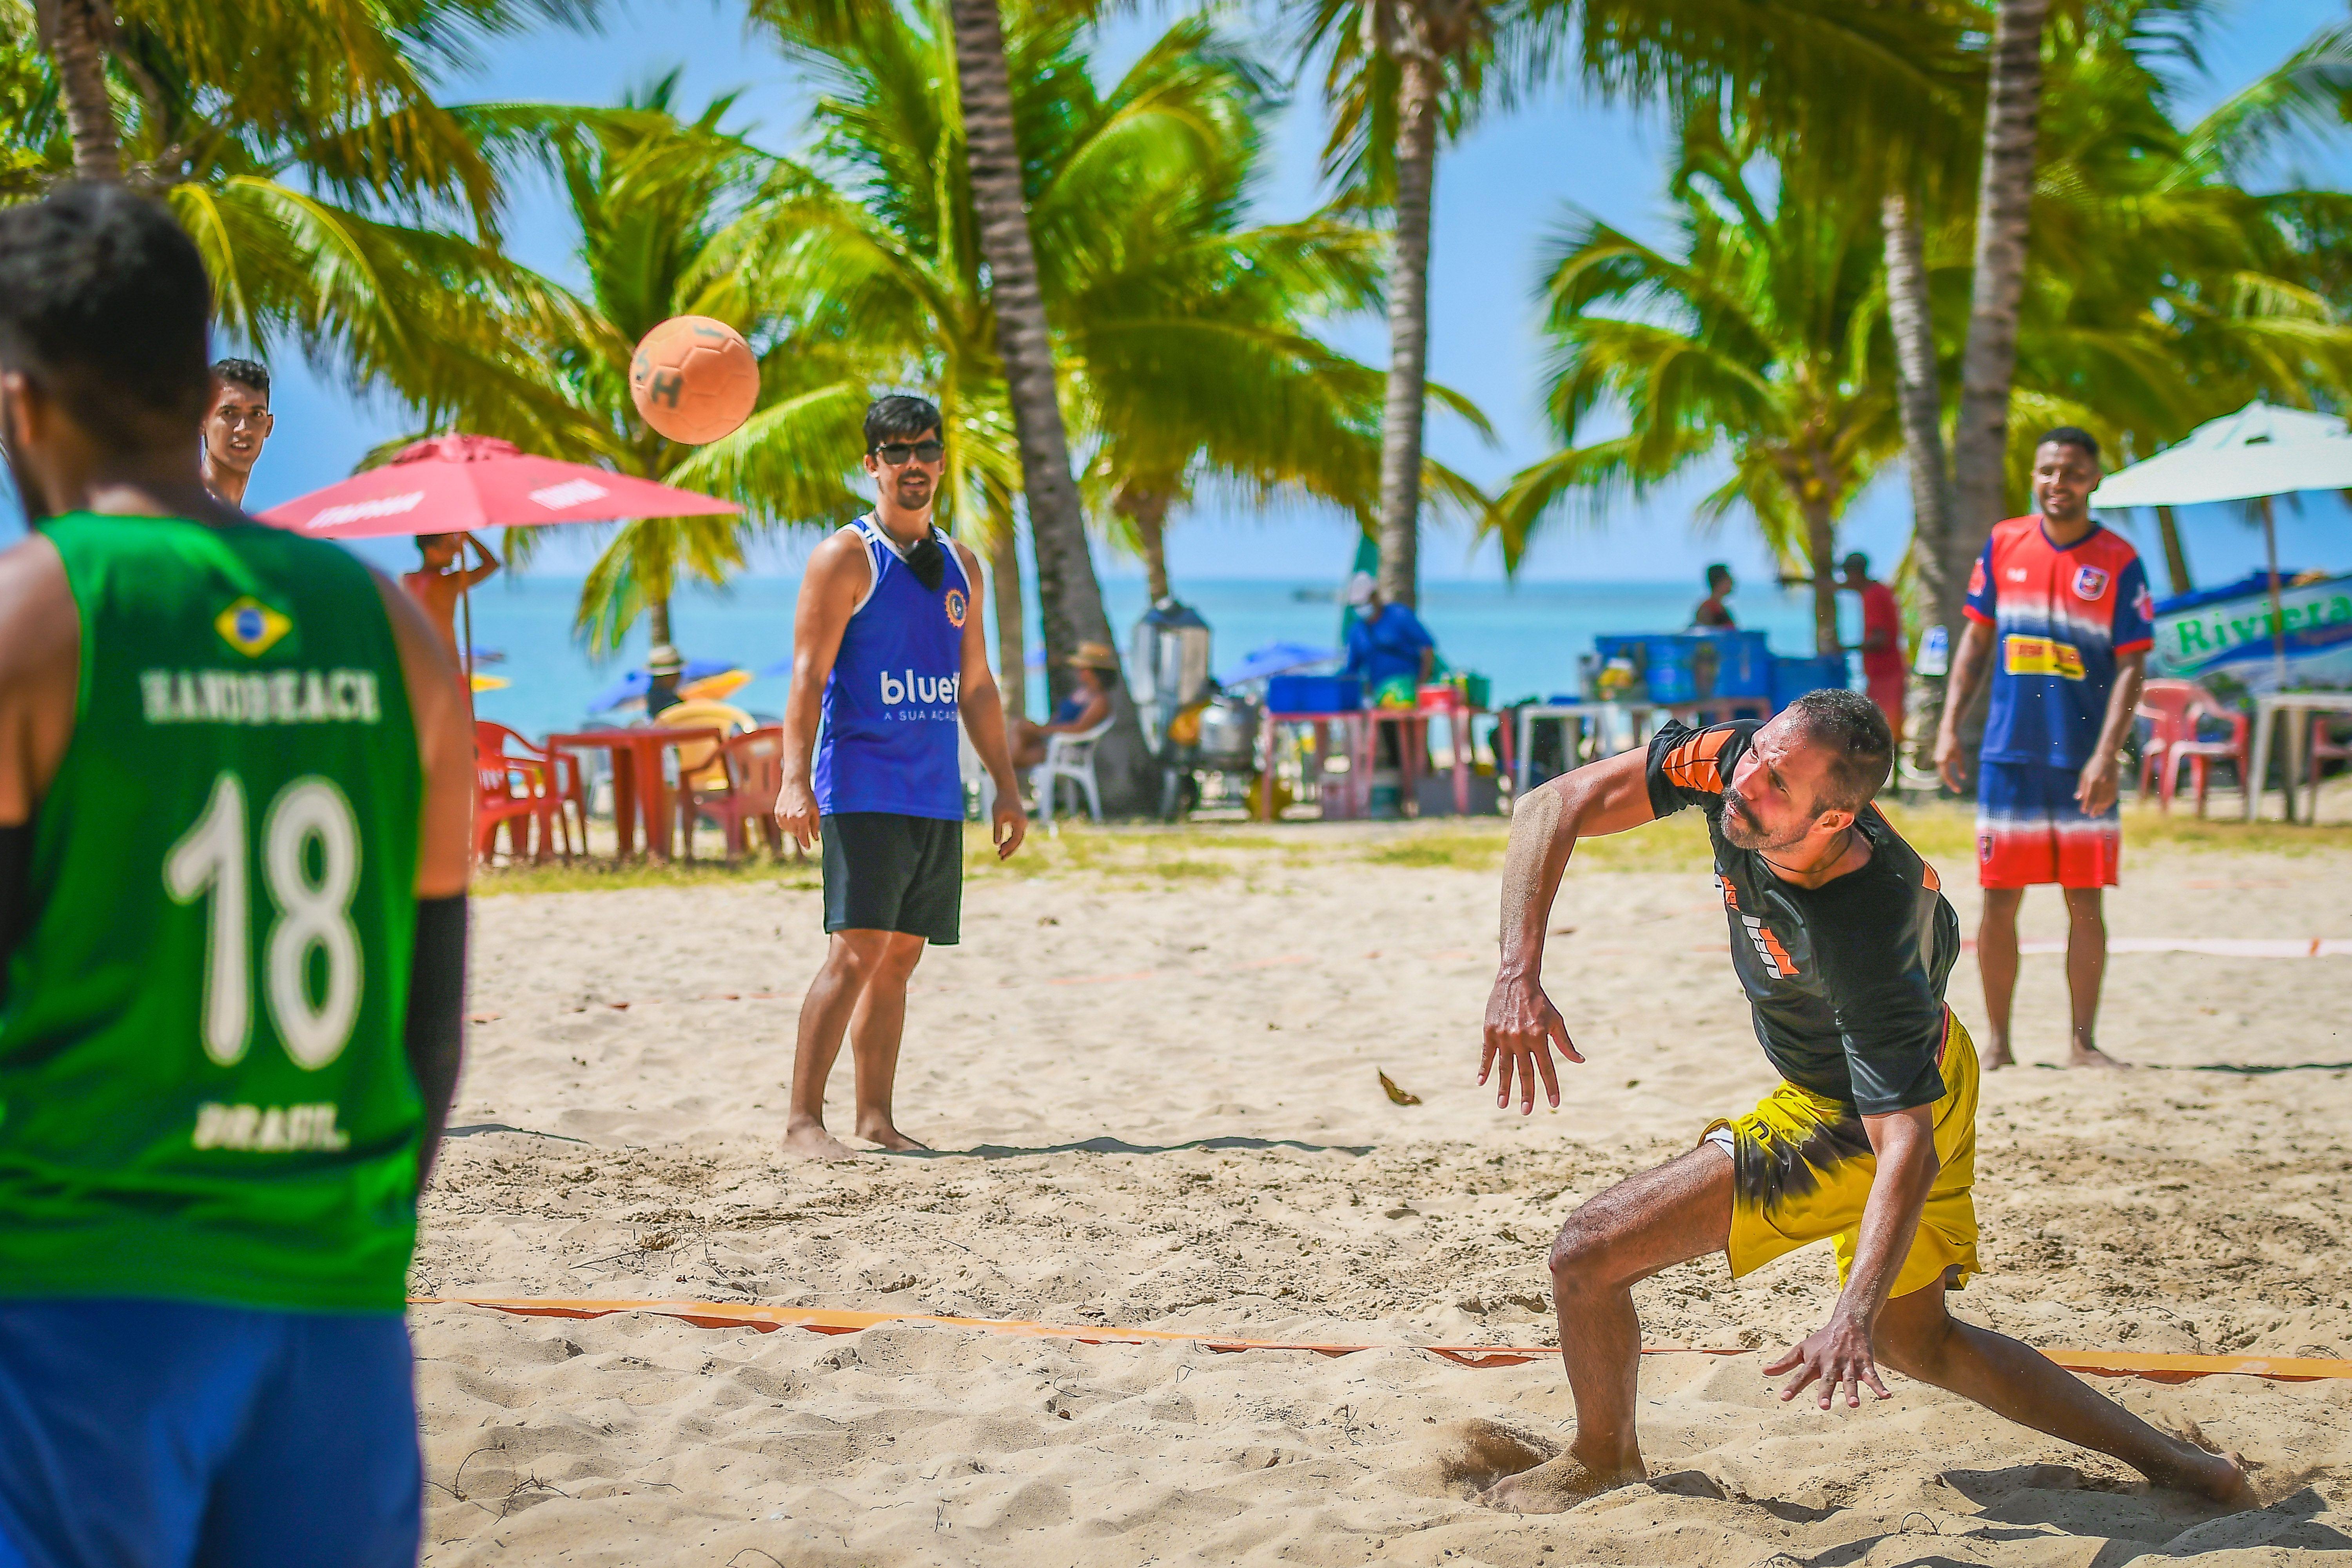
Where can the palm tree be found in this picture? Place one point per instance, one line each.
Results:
(663, 204)
(1177, 330)
(1911, 319)
(1403, 72)
(302, 149)
(1763, 341)
(2005, 215)
(2159, 294)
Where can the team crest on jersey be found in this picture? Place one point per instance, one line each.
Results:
(2090, 581)
(957, 606)
(251, 626)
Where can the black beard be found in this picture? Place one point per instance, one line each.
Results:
(1739, 831)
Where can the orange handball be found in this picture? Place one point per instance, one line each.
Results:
(694, 379)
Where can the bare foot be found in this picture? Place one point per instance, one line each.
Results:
(2218, 1477)
(1555, 1486)
(1997, 1058)
(2091, 1057)
(810, 1140)
(888, 1136)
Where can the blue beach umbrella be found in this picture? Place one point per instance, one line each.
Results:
(1277, 658)
(632, 687)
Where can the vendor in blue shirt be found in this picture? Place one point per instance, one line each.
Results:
(1388, 644)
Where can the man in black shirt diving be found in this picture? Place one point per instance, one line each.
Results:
(1842, 940)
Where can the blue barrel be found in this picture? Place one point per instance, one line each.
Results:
(1792, 678)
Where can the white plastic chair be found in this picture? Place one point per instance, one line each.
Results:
(1068, 756)
(971, 771)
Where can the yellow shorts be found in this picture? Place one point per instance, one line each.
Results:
(1801, 1169)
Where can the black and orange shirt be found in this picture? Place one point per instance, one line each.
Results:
(1845, 980)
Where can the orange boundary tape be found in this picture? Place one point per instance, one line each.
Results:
(834, 1321)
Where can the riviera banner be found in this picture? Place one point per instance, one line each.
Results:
(2229, 631)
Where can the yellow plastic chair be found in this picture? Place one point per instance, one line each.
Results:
(699, 763)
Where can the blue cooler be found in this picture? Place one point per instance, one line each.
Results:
(1314, 694)
(1743, 664)
(1674, 672)
(1792, 678)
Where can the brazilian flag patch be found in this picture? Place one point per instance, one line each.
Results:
(251, 626)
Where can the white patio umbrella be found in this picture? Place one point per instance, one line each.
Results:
(2258, 452)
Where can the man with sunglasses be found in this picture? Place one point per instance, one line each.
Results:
(888, 651)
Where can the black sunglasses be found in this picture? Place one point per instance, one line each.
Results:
(896, 453)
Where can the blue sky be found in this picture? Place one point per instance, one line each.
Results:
(1500, 192)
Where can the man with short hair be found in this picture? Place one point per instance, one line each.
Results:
(1842, 940)
(1713, 613)
(888, 650)
(442, 578)
(235, 426)
(235, 802)
(2066, 602)
(1883, 669)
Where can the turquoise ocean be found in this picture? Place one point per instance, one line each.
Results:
(1525, 637)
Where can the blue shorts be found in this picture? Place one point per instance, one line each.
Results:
(2030, 830)
(171, 1435)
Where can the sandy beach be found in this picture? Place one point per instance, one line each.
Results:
(1152, 1074)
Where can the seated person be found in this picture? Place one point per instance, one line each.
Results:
(663, 667)
(1712, 611)
(1088, 705)
(1387, 646)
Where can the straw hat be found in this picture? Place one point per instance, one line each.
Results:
(1094, 656)
(663, 660)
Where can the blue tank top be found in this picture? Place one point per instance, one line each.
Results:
(889, 737)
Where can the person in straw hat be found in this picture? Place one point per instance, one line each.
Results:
(1086, 706)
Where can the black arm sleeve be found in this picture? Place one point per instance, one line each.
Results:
(1688, 767)
(15, 893)
(436, 1005)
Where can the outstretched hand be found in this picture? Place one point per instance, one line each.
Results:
(1521, 1027)
(1837, 1354)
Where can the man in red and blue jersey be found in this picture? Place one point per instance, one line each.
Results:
(2060, 608)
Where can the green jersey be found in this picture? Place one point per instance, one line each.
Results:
(203, 1089)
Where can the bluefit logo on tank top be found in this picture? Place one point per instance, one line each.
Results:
(909, 696)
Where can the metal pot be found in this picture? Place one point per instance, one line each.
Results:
(1229, 728)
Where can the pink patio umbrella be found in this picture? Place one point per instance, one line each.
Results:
(458, 483)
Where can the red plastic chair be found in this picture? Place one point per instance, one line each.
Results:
(753, 764)
(2325, 748)
(520, 785)
(2164, 705)
(2184, 703)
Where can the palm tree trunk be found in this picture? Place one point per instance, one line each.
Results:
(2004, 203)
(1821, 550)
(76, 32)
(1418, 81)
(1012, 643)
(2176, 559)
(1147, 508)
(1920, 396)
(657, 621)
(1067, 591)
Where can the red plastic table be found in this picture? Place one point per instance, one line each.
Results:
(1360, 750)
(638, 792)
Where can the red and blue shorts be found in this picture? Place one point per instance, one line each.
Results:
(2030, 830)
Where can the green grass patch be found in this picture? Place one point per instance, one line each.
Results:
(602, 876)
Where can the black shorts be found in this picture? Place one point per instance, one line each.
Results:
(884, 871)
